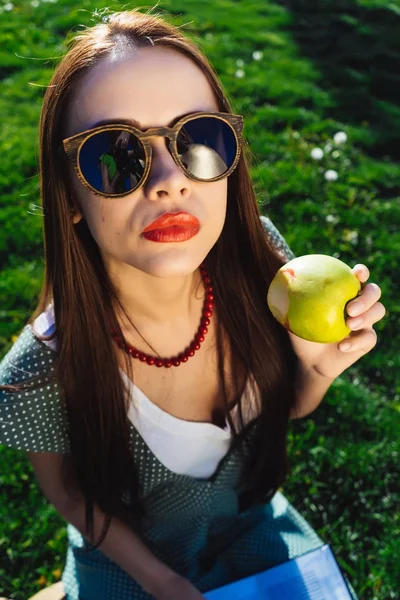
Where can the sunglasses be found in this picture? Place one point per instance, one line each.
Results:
(115, 160)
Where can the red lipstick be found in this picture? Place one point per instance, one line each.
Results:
(169, 227)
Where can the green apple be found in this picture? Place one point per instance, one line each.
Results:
(308, 296)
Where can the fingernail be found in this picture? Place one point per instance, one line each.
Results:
(344, 347)
(355, 308)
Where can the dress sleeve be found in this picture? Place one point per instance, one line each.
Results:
(277, 239)
(33, 420)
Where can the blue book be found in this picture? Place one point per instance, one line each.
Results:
(312, 576)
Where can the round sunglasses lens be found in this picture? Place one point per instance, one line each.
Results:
(207, 147)
(112, 161)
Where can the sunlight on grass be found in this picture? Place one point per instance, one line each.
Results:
(323, 129)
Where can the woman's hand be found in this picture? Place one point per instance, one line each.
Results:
(330, 360)
(178, 588)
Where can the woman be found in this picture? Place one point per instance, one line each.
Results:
(162, 395)
(118, 165)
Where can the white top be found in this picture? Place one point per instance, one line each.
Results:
(186, 447)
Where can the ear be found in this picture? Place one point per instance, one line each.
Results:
(77, 216)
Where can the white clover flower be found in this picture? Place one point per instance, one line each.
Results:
(296, 135)
(331, 175)
(239, 73)
(332, 219)
(328, 148)
(317, 153)
(239, 62)
(8, 6)
(35, 3)
(350, 236)
(257, 55)
(335, 154)
(340, 137)
(354, 238)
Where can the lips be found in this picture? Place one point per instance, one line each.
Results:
(180, 219)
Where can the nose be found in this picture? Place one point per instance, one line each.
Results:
(165, 177)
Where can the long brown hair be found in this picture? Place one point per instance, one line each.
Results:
(241, 264)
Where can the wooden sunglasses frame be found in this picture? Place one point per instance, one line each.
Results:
(72, 146)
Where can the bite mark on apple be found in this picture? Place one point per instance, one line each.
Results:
(291, 272)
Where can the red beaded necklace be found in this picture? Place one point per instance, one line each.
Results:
(192, 348)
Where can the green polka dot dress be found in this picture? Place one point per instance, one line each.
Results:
(196, 526)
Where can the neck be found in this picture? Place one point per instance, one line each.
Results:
(155, 302)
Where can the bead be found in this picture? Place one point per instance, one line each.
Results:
(190, 351)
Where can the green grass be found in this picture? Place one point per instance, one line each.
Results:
(325, 67)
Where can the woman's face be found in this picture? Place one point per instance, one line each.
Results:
(154, 86)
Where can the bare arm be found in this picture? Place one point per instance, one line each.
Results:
(121, 544)
(108, 186)
(311, 388)
(125, 548)
(105, 177)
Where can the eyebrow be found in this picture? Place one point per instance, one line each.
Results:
(112, 121)
(136, 124)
